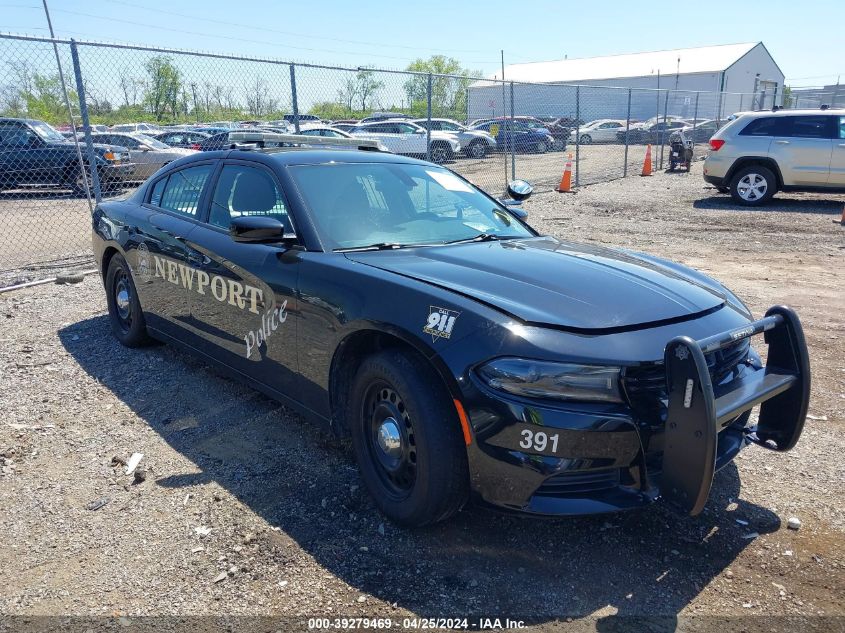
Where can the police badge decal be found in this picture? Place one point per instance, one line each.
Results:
(143, 269)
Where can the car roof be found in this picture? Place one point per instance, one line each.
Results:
(308, 156)
(804, 112)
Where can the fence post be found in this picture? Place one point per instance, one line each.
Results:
(695, 121)
(86, 125)
(513, 153)
(577, 133)
(627, 130)
(294, 101)
(662, 133)
(428, 117)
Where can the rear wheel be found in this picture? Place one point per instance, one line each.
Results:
(753, 185)
(586, 139)
(407, 439)
(125, 314)
(477, 149)
(541, 147)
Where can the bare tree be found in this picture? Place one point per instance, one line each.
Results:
(348, 93)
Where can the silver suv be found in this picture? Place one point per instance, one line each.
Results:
(760, 153)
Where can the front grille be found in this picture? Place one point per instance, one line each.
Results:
(568, 484)
(646, 385)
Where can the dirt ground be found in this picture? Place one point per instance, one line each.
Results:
(248, 510)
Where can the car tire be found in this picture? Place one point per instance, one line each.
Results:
(541, 147)
(586, 139)
(753, 185)
(476, 149)
(440, 153)
(559, 145)
(407, 439)
(75, 179)
(125, 314)
(723, 189)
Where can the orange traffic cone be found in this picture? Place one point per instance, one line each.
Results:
(647, 162)
(565, 185)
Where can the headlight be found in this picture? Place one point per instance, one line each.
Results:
(109, 155)
(561, 381)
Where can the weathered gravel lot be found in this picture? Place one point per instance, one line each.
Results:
(294, 532)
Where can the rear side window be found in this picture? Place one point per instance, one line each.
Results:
(181, 191)
(764, 126)
(842, 127)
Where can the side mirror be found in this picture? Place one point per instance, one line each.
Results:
(144, 148)
(259, 229)
(520, 190)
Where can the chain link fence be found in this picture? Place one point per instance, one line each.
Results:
(66, 145)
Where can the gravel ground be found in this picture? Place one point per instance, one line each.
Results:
(245, 509)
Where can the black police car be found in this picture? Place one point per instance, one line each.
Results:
(463, 353)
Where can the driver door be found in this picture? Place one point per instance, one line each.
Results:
(243, 303)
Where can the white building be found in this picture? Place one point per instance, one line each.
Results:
(728, 78)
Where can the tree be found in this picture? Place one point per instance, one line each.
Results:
(367, 86)
(164, 87)
(448, 94)
(348, 93)
(258, 101)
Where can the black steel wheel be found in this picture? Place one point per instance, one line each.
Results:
(440, 153)
(125, 314)
(407, 439)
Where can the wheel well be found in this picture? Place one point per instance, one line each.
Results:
(110, 252)
(768, 163)
(349, 354)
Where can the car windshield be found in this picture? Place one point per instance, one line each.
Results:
(151, 142)
(356, 205)
(47, 132)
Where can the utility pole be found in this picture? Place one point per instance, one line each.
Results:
(508, 133)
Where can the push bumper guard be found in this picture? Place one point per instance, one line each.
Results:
(697, 412)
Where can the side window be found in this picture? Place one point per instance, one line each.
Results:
(764, 126)
(157, 190)
(842, 127)
(243, 190)
(126, 141)
(14, 136)
(183, 190)
(810, 126)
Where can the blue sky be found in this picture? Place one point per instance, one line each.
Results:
(806, 42)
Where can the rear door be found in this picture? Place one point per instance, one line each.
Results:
(802, 147)
(243, 300)
(162, 262)
(837, 157)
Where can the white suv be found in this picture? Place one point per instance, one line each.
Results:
(404, 137)
(760, 153)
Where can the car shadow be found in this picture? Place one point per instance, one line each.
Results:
(823, 206)
(648, 563)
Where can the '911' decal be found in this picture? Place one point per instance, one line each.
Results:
(440, 322)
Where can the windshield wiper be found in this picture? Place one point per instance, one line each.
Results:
(483, 237)
(378, 246)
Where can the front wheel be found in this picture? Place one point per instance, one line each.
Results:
(586, 139)
(125, 314)
(753, 185)
(440, 153)
(477, 149)
(541, 147)
(407, 439)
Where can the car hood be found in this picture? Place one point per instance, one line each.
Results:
(549, 282)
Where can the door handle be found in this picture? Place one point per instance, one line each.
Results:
(842, 145)
(782, 142)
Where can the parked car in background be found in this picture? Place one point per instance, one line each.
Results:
(303, 118)
(218, 140)
(325, 131)
(187, 139)
(33, 153)
(135, 127)
(346, 124)
(404, 137)
(474, 143)
(702, 131)
(518, 135)
(598, 131)
(654, 133)
(210, 130)
(384, 116)
(148, 154)
(760, 153)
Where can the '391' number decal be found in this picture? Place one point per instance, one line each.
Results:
(538, 441)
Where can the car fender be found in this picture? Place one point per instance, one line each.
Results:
(766, 161)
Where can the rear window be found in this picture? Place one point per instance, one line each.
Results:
(181, 191)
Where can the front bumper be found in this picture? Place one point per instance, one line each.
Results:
(603, 458)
